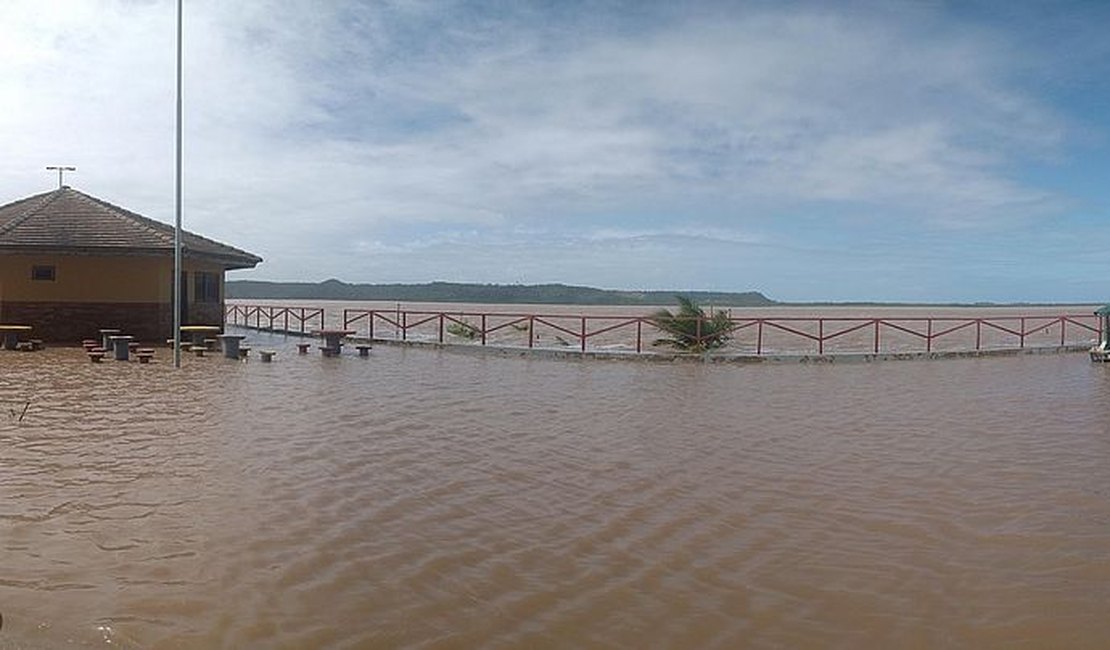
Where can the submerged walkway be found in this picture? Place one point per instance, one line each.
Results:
(785, 339)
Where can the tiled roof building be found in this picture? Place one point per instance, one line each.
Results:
(71, 263)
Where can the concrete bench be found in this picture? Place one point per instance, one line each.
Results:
(267, 355)
(25, 346)
(144, 354)
(364, 350)
(329, 351)
(37, 344)
(199, 350)
(302, 348)
(244, 351)
(96, 354)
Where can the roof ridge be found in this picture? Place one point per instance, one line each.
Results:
(156, 227)
(165, 231)
(45, 199)
(75, 219)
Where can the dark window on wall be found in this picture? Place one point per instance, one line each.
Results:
(206, 287)
(43, 272)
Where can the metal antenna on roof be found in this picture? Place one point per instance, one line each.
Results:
(61, 169)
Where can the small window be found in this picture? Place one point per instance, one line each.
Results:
(44, 273)
(206, 287)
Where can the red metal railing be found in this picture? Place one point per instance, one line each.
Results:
(303, 319)
(1000, 331)
(480, 326)
(758, 335)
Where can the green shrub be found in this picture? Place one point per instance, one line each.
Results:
(690, 329)
(464, 330)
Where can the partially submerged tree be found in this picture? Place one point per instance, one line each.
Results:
(463, 329)
(690, 329)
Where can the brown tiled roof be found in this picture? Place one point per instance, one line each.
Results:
(68, 220)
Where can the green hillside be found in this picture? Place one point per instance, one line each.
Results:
(481, 293)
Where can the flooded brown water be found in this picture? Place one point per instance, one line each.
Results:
(423, 499)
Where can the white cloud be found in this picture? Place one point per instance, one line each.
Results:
(311, 127)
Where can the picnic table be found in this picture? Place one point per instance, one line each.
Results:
(332, 340)
(121, 346)
(197, 333)
(11, 334)
(105, 334)
(230, 343)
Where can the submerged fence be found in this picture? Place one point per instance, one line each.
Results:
(291, 319)
(758, 336)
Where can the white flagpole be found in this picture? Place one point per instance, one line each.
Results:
(177, 226)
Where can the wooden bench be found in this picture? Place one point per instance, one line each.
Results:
(244, 351)
(144, 354)
(267, 355)
(364, 350)
(302, 348)
(96, 354)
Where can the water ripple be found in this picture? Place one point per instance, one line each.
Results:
(430, 500)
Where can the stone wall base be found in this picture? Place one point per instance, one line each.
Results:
(70, 322)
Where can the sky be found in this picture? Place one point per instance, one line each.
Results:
(813, 151)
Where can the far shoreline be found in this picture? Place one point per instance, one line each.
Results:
(562, 294)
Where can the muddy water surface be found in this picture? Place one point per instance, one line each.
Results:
(423, 499)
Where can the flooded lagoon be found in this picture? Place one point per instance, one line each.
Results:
(425, 499)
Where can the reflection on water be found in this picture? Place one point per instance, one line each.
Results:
(432, 500)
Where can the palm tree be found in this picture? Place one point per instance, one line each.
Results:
(691, 329)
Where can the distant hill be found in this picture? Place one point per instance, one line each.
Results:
(482, 293)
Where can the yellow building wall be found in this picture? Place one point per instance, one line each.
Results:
(87, 278)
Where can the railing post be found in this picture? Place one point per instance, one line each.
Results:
(371, 328)
(285, 321)
(441, 328)
(876, 336)
(698, 329)
(405, 325)
(820, 336)
(583, 333)
(929, 335)
(639, 334)
(759, 338)
(1063, 328)
(532, 331)
(978, 333)
(483, 329)
(1021, 338)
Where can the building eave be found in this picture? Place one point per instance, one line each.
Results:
(229, 262)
